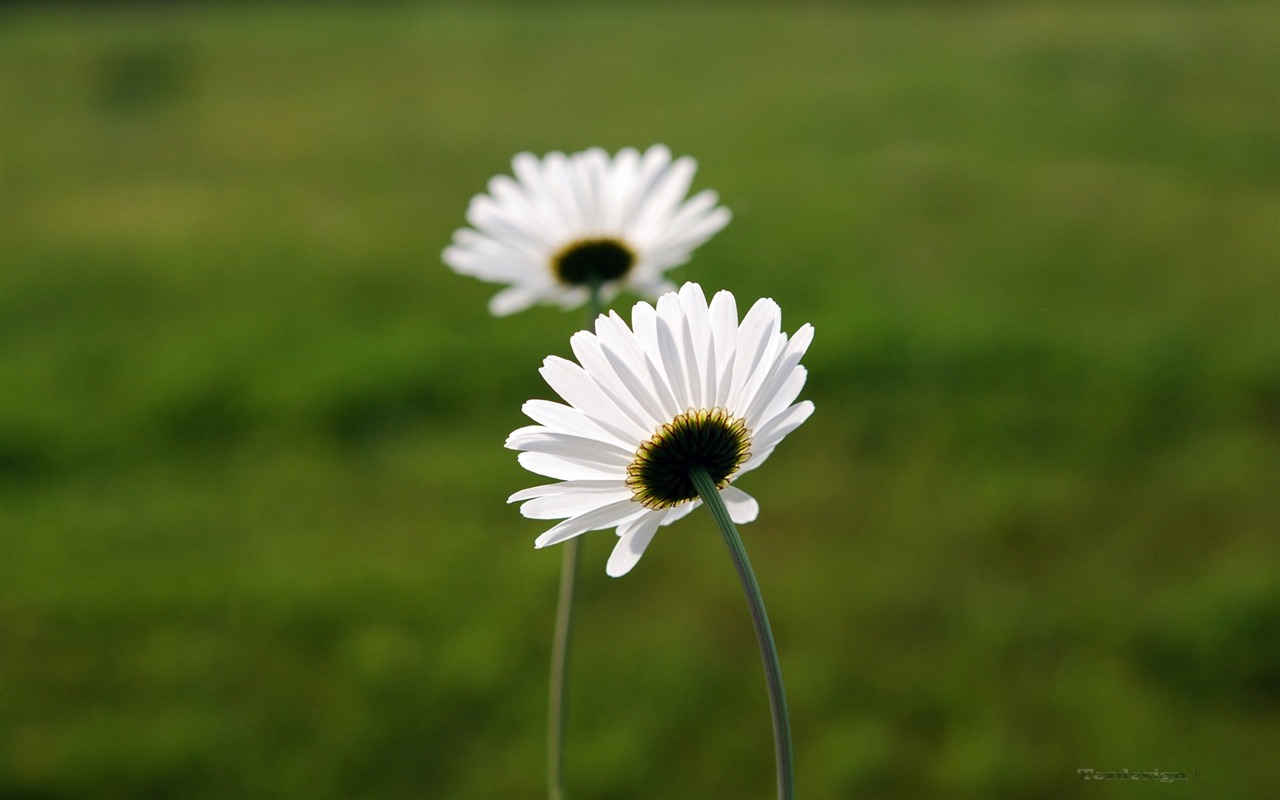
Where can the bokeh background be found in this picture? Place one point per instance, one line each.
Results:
(254, 540)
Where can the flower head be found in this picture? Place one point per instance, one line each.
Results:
(686, 385)
(566, 223)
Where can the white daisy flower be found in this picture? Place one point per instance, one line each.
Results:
(687, 385)
(566, 222)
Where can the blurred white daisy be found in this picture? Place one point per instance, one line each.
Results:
(687, 385)
(566, 222)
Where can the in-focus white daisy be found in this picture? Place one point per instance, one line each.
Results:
(687, 384)
(566, 222)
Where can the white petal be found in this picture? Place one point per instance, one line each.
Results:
(785, 394)
(758, 338)
(759, 454)
(698, 345)
(567, 297)
(680, 512)
(531, 173)
(487, 216)
(572, 382)
(777, 428)
(754, 336)
(619, 189)
(662, 200)
(588, 170)
(572, 504)
(691, 227)
(537, 439)
(512, 299)
(701, 230)
(779, 373)
(560, 183)
(634, 538)
(653, 165)
(692, 362)
(670, 330)
(516, 202)
(563, 469)
(623, 351)
(608, 516)
(535, 259)
(564, 487)
(491, 259)
(566, 419)
(631, 399)
(693, 210)
(743, 508)
(724, 330)
(644, 321)
(652, 288)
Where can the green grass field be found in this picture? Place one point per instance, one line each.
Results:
(253, 541)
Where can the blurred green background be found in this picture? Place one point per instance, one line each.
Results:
(253, 538)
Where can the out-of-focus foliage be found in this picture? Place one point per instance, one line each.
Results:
(253, 536)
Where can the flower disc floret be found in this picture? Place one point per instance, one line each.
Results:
(593, 262)
(659, 477)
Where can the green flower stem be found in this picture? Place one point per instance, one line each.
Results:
(558, 695)
(764, 634)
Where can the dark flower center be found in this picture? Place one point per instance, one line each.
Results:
(710, 438)
(589, 261)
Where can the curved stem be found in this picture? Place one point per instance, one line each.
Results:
(764, 634)
(558, 694)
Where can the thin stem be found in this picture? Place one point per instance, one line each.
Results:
(764, 634)
(558, 695)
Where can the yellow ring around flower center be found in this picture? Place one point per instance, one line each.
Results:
(711, 438)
